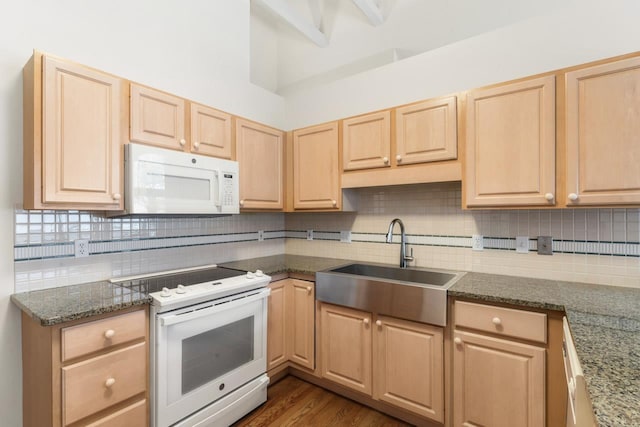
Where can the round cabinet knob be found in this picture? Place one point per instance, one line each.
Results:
(109, 382)
(183, 142)
(379, 322)
(309, 290)
(385, 160)
(109, 333)
(365, 321)
(549, 196)
(573, 197)
(334, 203)
(457, 340)
(241, 202)
(196, 145)
(181, 290)
(398, 158)
(496, 321)
(116, 196)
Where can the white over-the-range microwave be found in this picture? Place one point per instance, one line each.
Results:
(163, 181)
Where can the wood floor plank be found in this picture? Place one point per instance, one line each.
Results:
(293, 402)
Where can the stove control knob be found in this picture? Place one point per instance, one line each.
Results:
(181, 290)
(259, 273)
(250, 275)
(165, 292)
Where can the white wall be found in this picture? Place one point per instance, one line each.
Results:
(197, 49)
(576, 33)
(411, 27)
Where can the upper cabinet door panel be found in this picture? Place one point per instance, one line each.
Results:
(603, 128)
(427, 132)
(81, 147)
(366, 141)
(510, 144)
(260, 154)
(157, 118)
(316, 182)
(210, 132)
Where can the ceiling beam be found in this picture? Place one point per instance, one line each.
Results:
(284, 11)
(371, 11)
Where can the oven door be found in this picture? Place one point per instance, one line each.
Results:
(206, 351)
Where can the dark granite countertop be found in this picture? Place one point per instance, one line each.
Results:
(59, 305)
(604, 320)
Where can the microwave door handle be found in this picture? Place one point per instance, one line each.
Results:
(218, 200)
(172, 319)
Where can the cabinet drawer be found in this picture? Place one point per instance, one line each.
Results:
(95, 384)
(101, 334)
(132, 415)
(502, 321)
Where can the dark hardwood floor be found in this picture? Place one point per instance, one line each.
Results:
(293, 402)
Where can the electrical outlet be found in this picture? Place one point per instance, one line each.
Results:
(260, 235)
(345, 236)
(477, 242)
(81, 248)
(309, 234)
(545, 245)
(522, 244)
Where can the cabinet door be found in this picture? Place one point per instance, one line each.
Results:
(210, 132)
(366, 141)
(157, 118)
(276, 325)
(81, 140)
(510, 144)
(346, 347)
(301, 309)
(427, 132)
(408, 368)
(316, 173)
(603, 124)
(260, 153)
(497, 382)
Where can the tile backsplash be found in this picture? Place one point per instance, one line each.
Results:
(590, 245)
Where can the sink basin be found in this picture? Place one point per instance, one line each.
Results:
(415, 294)
(414, 276)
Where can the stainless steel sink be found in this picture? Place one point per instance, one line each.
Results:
(408, 293)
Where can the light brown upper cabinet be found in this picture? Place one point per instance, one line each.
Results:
(210, 132)
(260, 155)
(603, 134)
(157, 118)
(73, 136)
(316, 174)
(510, 144)
(427, 132)
(366, 141)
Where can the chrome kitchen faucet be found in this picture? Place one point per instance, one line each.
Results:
(403, 240)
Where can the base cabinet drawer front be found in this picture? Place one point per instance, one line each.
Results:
(346, 347)
(95, 384)
(497, 383)
(102, 334)
(130, 416)
(408, 366)
(503, 321)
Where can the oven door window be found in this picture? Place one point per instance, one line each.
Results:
(211, 354)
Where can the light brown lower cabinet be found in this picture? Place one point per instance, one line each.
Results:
(497, 379)
(392, 360)
(291, 324)
(92, 372)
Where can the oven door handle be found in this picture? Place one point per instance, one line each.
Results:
(172, 319)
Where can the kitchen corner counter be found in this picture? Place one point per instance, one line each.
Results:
(278, 264)
(605, 324)
(58, 305)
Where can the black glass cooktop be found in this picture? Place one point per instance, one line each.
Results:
(186, 278)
